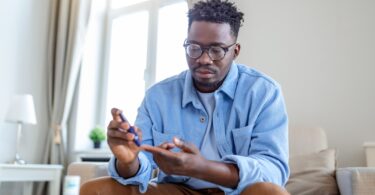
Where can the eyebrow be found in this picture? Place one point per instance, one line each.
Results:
(210, 44)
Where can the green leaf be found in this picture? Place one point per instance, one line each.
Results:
(97, 134)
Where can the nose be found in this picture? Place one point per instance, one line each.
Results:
(204, 58)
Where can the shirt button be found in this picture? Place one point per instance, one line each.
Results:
(202, 119)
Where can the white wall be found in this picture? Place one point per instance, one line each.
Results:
(323, 54)
(23, 37)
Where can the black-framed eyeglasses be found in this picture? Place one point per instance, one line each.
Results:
(214, 52)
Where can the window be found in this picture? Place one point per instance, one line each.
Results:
(142, 44)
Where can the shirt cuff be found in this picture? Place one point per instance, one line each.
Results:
(142, 177)
(248, 173)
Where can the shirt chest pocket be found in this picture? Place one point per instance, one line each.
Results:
(242, 139)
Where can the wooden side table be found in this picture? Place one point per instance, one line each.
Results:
(32, 172)
(370, 153)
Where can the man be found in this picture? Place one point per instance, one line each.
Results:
(219, 127)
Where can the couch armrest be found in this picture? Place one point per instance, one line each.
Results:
(88, 170)
(356, 180)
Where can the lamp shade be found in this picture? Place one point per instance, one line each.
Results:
(21, 109)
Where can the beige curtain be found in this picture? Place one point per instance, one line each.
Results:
(67, 30)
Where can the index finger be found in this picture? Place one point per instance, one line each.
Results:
(156, 150)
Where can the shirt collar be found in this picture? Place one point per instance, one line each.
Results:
(228, 87)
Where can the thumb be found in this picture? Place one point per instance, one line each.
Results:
(186, 147)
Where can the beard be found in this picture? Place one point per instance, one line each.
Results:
(207, 84)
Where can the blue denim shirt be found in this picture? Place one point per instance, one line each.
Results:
(249, 120)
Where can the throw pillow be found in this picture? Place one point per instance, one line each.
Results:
(313, 174)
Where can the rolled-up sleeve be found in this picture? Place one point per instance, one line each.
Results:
(142, 177)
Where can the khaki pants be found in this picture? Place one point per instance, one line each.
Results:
(109, 186)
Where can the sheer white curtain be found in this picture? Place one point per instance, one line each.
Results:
(191, 2)
(67, 30)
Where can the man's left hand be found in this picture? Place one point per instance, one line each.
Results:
(185, 162)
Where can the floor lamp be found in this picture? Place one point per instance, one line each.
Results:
(21, 111)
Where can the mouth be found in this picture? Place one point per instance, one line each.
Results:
(205, 72)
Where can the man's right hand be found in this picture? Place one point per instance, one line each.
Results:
(121, 143)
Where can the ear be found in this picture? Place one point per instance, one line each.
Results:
(236, 51)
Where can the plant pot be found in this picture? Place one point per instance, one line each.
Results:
(97, 144)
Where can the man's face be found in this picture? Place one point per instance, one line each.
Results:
(209, 74)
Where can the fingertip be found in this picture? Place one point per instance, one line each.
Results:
(114, 111)
(116, 114)
(177, 141)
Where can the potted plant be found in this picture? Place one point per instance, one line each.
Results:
(97, 135)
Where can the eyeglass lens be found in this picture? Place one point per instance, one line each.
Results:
(195, 51)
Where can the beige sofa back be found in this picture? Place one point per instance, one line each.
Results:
(305, 140)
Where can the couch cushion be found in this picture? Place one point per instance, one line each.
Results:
(313, 173)
(88, 170)
(356, 180)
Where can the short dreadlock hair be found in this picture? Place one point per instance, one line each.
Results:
(217, 11)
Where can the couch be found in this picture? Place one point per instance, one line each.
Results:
(312, 164)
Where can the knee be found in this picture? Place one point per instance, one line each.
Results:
(264, 188)
(97, 186)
